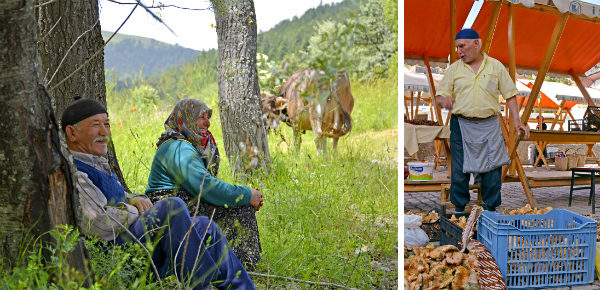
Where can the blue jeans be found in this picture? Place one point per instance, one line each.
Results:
(216, 262)
(491, 182)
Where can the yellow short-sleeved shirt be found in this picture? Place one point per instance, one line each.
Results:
(476, 95)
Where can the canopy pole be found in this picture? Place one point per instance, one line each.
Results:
(512, 61)
(512, 66)
(516, 164)
(489, 32)
(539, 101)
(539, 80)
(582, 89)
(406, 107)
(418, 104)
(558, 115)
(438, 111)
(452, 30)
(412, 105)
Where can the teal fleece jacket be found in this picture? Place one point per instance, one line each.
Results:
(178, 165)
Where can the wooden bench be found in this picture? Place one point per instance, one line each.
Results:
(445, 196)
(441, 183)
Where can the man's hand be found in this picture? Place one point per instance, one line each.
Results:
(520, 127)
(141, 203)
(257, 199)
(445, 102)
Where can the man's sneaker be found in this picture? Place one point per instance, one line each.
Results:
(459, 210)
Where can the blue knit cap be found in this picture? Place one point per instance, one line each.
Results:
(467, 33)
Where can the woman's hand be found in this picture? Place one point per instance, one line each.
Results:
(257, 200)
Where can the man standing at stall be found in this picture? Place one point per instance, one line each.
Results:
(470, 90)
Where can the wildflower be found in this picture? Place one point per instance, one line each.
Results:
(277, 201)
(133, 110)
(119, 123)
(262, 184)
(296, 199)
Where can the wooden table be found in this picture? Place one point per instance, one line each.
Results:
(423, 134)
(427, 185)
(538, 179)
(541, 138)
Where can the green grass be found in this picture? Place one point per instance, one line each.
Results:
(319, 211)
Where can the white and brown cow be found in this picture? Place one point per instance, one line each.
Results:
(326, 117)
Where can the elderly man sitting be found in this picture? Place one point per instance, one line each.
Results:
(108, 210)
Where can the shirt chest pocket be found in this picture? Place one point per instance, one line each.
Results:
(490, 85)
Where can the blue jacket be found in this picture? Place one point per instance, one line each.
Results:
(178, 165)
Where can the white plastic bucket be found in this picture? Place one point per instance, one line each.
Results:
(420, 171)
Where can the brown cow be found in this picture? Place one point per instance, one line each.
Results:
(328, 117)
(273, 110)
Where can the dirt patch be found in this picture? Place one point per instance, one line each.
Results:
(391, 132)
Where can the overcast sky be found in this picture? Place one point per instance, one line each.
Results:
(193, 27)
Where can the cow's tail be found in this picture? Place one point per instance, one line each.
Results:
(346, 127)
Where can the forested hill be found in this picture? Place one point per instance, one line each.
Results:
(128, 54)
(290, 36)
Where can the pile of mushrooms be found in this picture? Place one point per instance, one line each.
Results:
(444, 267)
(430, 217)
(526, 210)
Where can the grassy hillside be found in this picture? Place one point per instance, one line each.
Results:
(325, 219)
(127, 55)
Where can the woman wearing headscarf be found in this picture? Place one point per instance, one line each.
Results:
(186, 166)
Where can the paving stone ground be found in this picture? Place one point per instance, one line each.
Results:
(513, 197)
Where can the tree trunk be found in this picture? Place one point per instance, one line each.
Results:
(239, 93)
(78, 19)
(37, 191)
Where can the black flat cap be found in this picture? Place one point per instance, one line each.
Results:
(79, 110)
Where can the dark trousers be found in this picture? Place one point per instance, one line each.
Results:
(459, 191)
(216, 260)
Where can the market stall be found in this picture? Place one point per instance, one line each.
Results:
(536, 50)
(429, 40)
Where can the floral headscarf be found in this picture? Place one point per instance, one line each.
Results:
(181, 124)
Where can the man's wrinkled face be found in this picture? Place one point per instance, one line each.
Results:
(467, 49)
(93, 137)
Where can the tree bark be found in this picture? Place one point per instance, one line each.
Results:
(239, 93)
(37, 191)
(71, 28)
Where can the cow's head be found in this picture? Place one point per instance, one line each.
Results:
(274, 110)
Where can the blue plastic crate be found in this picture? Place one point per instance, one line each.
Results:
(541, 251)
